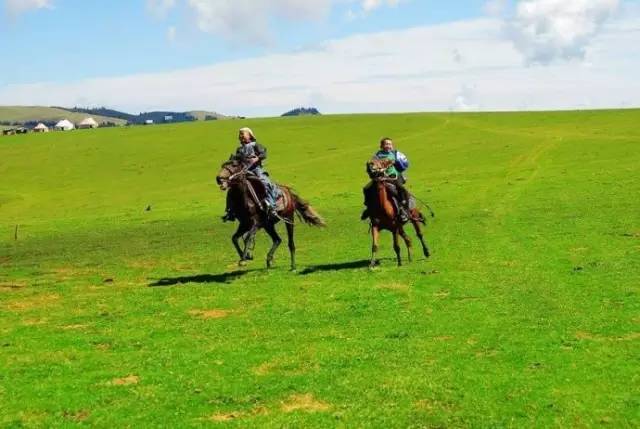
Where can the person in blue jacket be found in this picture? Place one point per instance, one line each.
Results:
(396, 172)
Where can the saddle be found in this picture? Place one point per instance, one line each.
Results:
(282, 202)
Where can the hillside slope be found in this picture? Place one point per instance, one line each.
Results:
(122, 287)
(38, 113)
(202, 115)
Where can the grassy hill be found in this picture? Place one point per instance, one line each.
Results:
(202, 115)
(527, 315)
(39, 113)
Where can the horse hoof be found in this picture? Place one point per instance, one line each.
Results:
(242, 263)
(293, 270)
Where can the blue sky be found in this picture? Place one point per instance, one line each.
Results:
(258, 57)
(78, 39)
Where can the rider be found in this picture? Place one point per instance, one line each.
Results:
(251, 154)
(394, 172)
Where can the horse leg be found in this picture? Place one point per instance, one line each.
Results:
(375, 235)
(249, 242)
(396, 246)
(407, 241)
(249, 246)
(271, 230)
(292, 244)
(418, 229)
(240, 232)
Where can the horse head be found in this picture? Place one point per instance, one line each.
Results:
(378, 167)
(229, 172)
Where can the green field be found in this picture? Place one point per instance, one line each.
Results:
(527, 315)
(39, 113)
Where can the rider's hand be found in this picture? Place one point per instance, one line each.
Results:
(253, 160)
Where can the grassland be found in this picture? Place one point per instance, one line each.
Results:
(39, 113)
(527, 315)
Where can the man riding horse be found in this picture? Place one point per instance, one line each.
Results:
(389, 205)
(252, 199)
(395, 176)
(252, 154)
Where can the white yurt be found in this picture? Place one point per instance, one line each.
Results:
(41, 128)
(64, 125)
(88, 123)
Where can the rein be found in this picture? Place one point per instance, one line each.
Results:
(241, 177)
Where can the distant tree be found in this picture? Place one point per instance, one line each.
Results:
(303, 111)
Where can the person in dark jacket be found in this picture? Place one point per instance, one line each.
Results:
(252, 155)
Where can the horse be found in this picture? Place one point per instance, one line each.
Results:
(245, 195)
(383, 213)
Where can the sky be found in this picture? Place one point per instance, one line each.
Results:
(264, 57)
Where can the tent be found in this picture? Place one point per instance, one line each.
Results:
(88, 123)
(40, 128)
(64, 125)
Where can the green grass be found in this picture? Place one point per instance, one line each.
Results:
(527, 315)
(40, 113)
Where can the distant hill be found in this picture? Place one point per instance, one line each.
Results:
(103, 111)
(31, 115)
(203, 115)
(157, 116)
(303, 111)
(13, 116)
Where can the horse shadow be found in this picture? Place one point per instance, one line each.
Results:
(342, 266)
(223, 278)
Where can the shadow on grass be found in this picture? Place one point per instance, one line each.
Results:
(355, 265)
(225, 278)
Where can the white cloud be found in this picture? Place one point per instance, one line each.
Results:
(466, 99)
(248, 21)
(160, 8)
(545, 31)
(171, 34)
(369, 5)
(17, 7)
(496, 7)
(378, 72)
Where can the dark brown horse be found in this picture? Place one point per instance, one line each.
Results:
(383, 213)
(246, 194)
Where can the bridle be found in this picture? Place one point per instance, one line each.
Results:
(240, 177)
(233, 177)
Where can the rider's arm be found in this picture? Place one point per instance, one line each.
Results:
(402, 162)
(238, 155)
(261, 152)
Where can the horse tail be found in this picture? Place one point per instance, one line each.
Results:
(306, 212)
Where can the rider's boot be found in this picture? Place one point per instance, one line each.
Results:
(270, 209)
(228, 216)
(365, 214)
(403, 212)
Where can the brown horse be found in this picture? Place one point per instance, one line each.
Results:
(246, 193)
(383, 213)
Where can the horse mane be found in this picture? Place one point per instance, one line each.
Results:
(233, 162)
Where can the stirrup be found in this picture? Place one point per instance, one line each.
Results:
(270, 210)
(403, 215)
